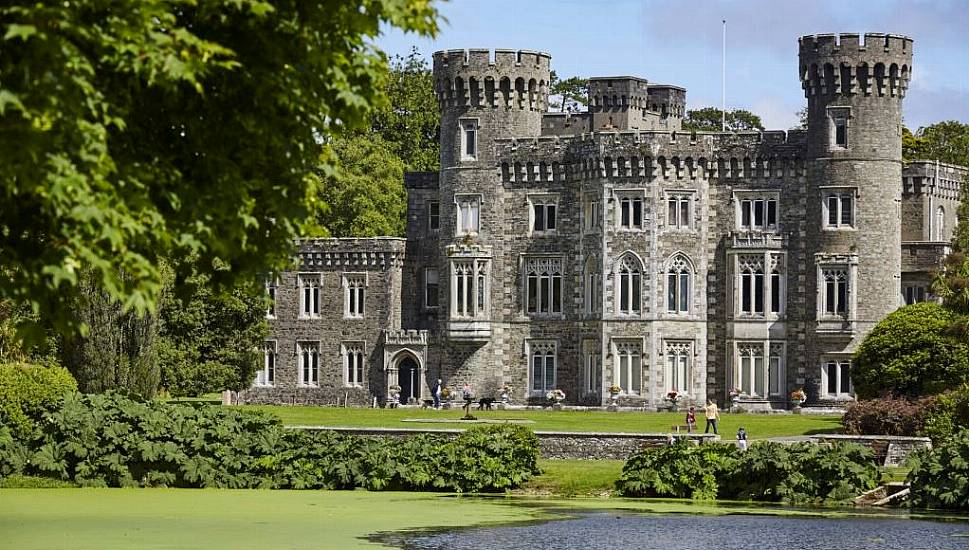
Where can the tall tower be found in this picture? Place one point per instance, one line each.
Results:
(853, 231)
(483, 95)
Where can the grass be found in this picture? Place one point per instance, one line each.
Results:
(574, 478)
(759, 426)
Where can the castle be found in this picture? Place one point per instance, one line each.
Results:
(609, 249)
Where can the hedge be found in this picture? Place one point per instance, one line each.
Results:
(27, 391)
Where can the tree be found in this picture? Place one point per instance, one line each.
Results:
(410, 122)
(209, 340)
(708, 119)
(181, 127)
(365, 195)
(946, 141)
(802, 119)
(571, 94)
(910, 354)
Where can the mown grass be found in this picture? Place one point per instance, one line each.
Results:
(759, 426)
(574, 478)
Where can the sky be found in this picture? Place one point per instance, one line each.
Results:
(679, 42)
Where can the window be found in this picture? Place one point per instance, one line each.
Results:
(592, 367)
(940, 224)
(309, 294)
(353, 364)
(629, 283)
(839, 209)
(628, 370)
(271, 298)
(914, 294)
(593, 286)
(759, 290)
(266, 376)
(758, 213)
(834, 295)
(678, 211)
(678, 372)
(775, 372)
(543, 214)
(468, 210)
(469, 288)
(469, 140)
(751, 375)
(542, 361)
(430, 287)
(543, 285)
(434, 215)
(841, 132)
(591, 215)
(678, 285)
(836, 378)
(631, 213)
(309, 363)
(353, 303)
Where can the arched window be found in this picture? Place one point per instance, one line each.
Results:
(543, 286)
(678, 284)
(628, 372)
(629, 280)
(752, 285)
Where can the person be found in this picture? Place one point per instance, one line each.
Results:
(742, 439)
(712, 414)
(468, 397)
(691, 420)
(438, 390)
(670, 440)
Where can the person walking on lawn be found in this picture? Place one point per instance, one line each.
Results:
(691, 420)
(438, 390)
(712, 414)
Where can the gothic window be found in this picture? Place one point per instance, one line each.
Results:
(678, 283)
(751, 372)
(543, 213)
(590, 215)
(775, 373)
(834, 295)
(679, 356)
(266, 376)
(542, 362)
(468, 212)
(469, 288)
(631, 213)
(308, 354)
(758, 213)
(678, 211)
(593, 286)
(353, 364)
(839, 209)
(752, 285)
(469, 139)
(543, 286)
(434, 215)
(592, 367)
(628, 373)
(836, 378)
(430, 287)
(309, 294)
(354, 285)
(271, 298)
(629, 286)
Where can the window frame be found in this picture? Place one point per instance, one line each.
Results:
(354, 364)
(546, 203)
(684, 204)
(745, 210)
(354, 295)
(266, 376)
(840, 367)
(678, 360)
(471, 202)
(272, 290)
(311, 281)
(628, 349)
(427, 285)
(313, 347)
(546, 275)
(470, 283)
(591, 368)
(546, 351)
(840, 194)
(679, 269)
(633, 197)
(636, 270)
(469, 127)
(433, 218)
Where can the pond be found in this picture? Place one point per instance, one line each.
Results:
(616, 531)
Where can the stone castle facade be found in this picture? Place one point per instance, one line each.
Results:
(609, 248)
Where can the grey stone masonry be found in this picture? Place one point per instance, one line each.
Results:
(610, 250)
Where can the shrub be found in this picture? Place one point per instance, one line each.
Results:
(946, 414)
(27, 391)
(768, 471)
(940, 478)
(910, 353)
(887, 416)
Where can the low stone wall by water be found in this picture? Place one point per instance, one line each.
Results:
(890, 450)
(581, 445)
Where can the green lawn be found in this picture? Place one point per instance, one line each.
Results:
(758, 426)
(574, 478)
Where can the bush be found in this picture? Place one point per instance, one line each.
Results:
(110, 440)
(947, 413)
(940, 478)
(27, 391)
(910, 353)
(767, 471)
(887, 416)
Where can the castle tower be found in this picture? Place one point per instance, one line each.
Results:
(853, 225)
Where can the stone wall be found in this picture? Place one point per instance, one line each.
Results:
(890, 450)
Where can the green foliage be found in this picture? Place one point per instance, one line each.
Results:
(911, 354)
(209, 339)
(767, 471)
(27, 391)
(365, 197)
(568, 95)
(179, 127)
(947, 413)
(940, 478)
(946, 141)
(708, 119)
(110, 440)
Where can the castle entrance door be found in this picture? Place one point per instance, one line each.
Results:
(409, 378)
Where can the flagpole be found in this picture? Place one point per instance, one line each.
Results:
(723, 80)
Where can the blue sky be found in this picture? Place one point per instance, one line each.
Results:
(678, 42)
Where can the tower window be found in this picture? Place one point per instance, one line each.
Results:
(468, 210)
(469, 140)
(434, 215)
(840, 209)
(631, 213)
(543, 213)
(841, 132)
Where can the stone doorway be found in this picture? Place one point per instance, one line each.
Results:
(409, 379)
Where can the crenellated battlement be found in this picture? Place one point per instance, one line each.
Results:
(843, 64)
(481, 78)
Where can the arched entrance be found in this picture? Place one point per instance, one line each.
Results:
(409, 379)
